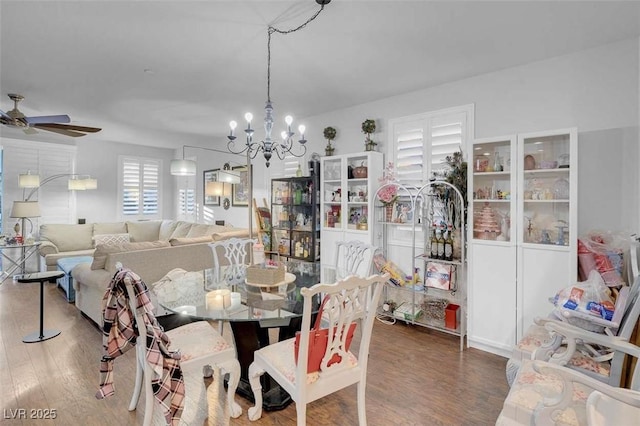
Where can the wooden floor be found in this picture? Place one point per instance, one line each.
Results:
(416, 376)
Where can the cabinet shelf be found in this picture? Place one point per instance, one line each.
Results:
(431, 259)
(482, 174)
(491, 200)
(545, 201)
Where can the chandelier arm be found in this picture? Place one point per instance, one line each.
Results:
(231, 145)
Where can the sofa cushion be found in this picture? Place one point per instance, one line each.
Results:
(199, 230)
(166, 229)
(111, 239)
(109, 228)
(182, 229)
(103, 250)
(68, 237)
(144, 231)
(225, 235)
(193, 240)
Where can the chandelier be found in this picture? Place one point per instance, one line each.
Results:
(268, 146)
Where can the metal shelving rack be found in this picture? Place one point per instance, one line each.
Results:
(425, 204)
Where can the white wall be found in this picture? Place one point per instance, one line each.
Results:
(100, 160)
(595, 90)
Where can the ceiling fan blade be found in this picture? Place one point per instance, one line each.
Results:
(68, 127)
(5, 115)
(42, 119)
(63, 131)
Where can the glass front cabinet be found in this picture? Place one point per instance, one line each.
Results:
(347, 184)
(523, 232)
(295, 218)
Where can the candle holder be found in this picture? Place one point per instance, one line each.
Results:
(218, 300)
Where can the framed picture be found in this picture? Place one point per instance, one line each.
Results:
(240, 191)
(209, 176)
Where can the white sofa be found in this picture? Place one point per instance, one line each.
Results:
(155, 248)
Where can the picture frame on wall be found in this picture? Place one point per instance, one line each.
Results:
(210, 176)
(240, 191)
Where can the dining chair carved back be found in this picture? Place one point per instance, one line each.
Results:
(353, 258)
(199, 345)
(230, 259)
(347, 302)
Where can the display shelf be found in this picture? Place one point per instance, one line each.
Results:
(416, 211)
(295, 213)
(346, 185)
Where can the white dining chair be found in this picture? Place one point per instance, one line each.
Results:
(347, 303)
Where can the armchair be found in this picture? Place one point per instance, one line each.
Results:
(560, 342)
(544, 393)
(348, 303)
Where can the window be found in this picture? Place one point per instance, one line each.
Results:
(419, 146)
(187, 197)
(139, 190)
(420, 143)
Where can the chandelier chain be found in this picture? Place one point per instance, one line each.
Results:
(272, 30)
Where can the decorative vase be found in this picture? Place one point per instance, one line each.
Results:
(388, 212)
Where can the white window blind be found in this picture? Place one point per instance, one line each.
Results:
(139, 188)
(57, 203)
(422, 142)
(187, 199)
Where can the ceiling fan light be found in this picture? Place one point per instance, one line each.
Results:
(183, 168)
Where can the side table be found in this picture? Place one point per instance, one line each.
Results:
(26, 251)
(40, 277)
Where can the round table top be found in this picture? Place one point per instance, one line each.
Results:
(187, 295)
(39, 276)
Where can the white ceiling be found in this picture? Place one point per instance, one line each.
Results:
(207, 60)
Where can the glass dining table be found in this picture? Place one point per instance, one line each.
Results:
(255, 313)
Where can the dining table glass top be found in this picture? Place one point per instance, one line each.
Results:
(202, 295)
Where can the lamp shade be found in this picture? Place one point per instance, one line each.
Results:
(77, 185)
(27, 180)
(228, 177)
(91, 183)
(25, 209)
(214, 189)
(183, 167)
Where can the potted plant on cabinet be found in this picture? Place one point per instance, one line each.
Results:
(368, 127)
(329, 134)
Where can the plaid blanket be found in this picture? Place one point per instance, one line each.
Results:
(120, 333)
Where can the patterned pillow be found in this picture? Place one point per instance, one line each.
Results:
(111, 239)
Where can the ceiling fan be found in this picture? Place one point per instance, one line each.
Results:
(51, 123)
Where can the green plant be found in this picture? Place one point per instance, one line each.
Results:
(368, 127)
(456, 175)
(329, 134)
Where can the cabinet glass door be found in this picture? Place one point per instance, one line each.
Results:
(546, 189)
(492, 191)
(333, 192)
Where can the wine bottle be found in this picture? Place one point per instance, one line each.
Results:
(440, 245)
(448, 245)
(434, 243)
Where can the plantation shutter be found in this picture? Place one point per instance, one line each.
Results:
(422, 142)
(140, 188)
(57, 203)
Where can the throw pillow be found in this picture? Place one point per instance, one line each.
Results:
(111, 239)
(101, 253)
(182, 229)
